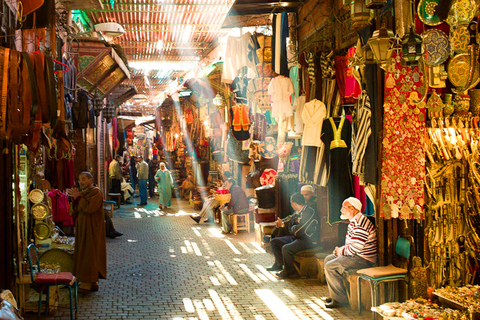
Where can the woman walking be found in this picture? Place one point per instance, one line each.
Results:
(165, 184)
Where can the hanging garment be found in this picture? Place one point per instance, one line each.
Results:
(361, 134)
(298, 106)
(280, 90)
(240, 120)
(352, 88)
(239, 89)
(236, 57)
(296, 82)
(260, 127)
(287, 184)
(337, 135)
(60, 207)
(313, 114)
(284, 34)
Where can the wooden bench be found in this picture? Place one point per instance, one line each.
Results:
(117, 197)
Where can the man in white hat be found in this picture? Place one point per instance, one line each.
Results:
(359, 251)
(308, 193)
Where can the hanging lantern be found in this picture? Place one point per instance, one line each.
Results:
(411, 49)
(97, 104)
(360, 14)
(375, 4)
(381, 43)
(368, 54)
(109, 111)
(218, 101)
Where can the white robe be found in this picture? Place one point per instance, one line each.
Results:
(313, 115)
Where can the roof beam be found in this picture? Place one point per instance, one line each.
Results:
(168, 24)
(171, 30)
(154, 11)
(167, 4)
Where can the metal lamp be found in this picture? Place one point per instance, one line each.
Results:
(360, 14)
(380, 43)
(411, 49)
(109, 111)
(97, 104)
(218, 101)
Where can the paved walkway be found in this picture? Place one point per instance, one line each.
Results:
(168, 267)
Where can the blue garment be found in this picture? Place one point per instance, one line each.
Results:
(142, 188)
(165, 184)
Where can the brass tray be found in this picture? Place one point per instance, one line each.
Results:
(460, 38)
(58, 256)
(458, 71)
(40, 211)
(462, 11)
(36, 196)
(41, 231)
(436, 45)
(426, 12)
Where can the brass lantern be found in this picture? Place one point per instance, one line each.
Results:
(360, 14)
(375, 4)
(411, 49)
(381, 43)
(218, 101)
(97, 104)
(109, 111)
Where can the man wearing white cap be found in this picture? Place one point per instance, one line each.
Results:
(359, 251)
(308, 193)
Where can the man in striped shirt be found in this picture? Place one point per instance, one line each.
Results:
(359, 251)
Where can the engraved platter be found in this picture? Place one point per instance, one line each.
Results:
(41, 231)
(458, 71)
(40, 211)
(460, 38)
(436, 46)
(426, 12)
(36, 195)
(461, 12)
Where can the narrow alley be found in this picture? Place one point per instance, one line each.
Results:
(166, 266)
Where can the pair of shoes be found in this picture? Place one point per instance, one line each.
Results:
(209, 220)
(196, 218)
(333, 304)
(284, 275)
(326, 299)
(226, 232)
(275, 267)
(128, 202)
(143, 204)
(160, 206)
(136, 195)
(114, 234)
(95, 286)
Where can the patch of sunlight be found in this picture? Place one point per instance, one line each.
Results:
(177, 318)
(208, 304)
(262, 277)
(210, 263)
(231, 307)
(183, 213)
(318, 309)
(137, 215)
(270, 276)
(171, 250)
(187, 303)
(244, 246)
(189, 246)
(259, 317)
(215, 281)
(230, 244)
(250, 273)
(217, 233)
(196, 249)
(200, 309)
(219, 304)
(237, 259)
(196, 232)
(299, 313)
(257, 246)
(172, 256)
(225, 273)
(184, 250)
(207, 246)
(290, 294)
(281, 311)
(130, 240)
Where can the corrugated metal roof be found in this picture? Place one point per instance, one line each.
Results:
(174, 34)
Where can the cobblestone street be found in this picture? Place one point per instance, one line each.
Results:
(166, 266)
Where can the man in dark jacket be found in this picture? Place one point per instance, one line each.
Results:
(238, 204)
(304, 234)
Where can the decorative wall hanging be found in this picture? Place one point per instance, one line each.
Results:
(268, 148)
(460, 38)
(462, 12)
(458, 71)
(435, 46)
(403, 168)
(426, 12)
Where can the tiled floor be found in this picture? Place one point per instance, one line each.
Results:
(168, 267)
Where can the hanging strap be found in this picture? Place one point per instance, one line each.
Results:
(337, 141)
(51, 89)
(3, 116)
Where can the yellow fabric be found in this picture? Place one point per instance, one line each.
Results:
(337, 141)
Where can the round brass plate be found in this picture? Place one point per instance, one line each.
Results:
(41, 231)
(36, 195)
(40, 211)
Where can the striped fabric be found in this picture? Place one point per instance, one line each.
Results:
(361, 239)
(209, 207)
(361, 132)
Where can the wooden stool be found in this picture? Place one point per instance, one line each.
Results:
(305, 263)
(109, 206)
(117, 197)
(240, 224)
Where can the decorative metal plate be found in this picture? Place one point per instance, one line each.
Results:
(58, 256)
(458, 71)
(40, 211)
(36, 196)
(41, 231)
(460, 38)
(426, 12)
(436, 46)
(268, 148)
(461, 12)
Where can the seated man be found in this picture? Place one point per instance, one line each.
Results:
(109, 228)
(187, 186)
(359, 251)
(304, 233)
(238, 204)
(307, 192)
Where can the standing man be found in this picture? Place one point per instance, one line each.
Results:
(90, 255)
(142, 175)
(115, 174)
(152, 170)
(238, 204)
(359, 251)
(133, 174)
(304, 234)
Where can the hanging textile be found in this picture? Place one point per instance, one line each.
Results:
(298, 106)
(337, 136)
(280, 90)
(260, 127)
(313, 114)
(60, 207)
(294, 76)
(236, 57)
(352, 87)
(287, 184)
(240, 120)
(403, 165)
(239, 89)
(361, 134)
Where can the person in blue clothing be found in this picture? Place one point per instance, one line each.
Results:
(165, 184)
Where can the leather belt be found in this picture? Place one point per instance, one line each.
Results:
(3, 120)
(51, 89)
(41, 87)
(14, 109)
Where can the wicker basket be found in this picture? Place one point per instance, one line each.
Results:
(223, 198)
